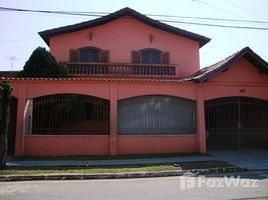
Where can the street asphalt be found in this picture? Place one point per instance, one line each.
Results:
(246, 185)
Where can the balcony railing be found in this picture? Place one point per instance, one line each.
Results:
(115, 69)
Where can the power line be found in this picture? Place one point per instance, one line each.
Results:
(18, 40)
(217, 25)
(247, 10)
(213, 19)
(219, 8)
(93, 14)
(100, 14)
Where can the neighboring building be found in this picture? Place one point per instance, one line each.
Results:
(136, 88)
(8, 73)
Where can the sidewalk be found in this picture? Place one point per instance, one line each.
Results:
(242, 161)
(252, 159)
(109, 162)
(116, 162)
(249, 159)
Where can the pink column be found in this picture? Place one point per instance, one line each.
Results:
(201, 120)
(113, 119)
(19, 148)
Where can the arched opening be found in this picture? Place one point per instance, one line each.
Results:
(68, 114)
(156, 115)
(236, 123)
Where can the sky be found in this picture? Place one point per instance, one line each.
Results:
(19, 31)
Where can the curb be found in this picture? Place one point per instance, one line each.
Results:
(193, 172)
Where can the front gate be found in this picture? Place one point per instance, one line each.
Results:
(236, 123)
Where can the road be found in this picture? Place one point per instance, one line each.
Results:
(253, 185)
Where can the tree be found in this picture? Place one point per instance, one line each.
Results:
(42, 64)
(5, 98)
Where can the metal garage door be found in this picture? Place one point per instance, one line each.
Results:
(236, 123)
(156, 115)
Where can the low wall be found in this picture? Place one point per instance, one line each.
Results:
(66, 145)
(100, 145)
(157, 144)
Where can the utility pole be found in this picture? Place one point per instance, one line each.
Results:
(12, 58)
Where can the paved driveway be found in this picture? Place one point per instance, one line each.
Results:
(250, 159)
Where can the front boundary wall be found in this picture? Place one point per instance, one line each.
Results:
(115, 144)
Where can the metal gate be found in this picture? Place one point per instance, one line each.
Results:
(236, 123)
(68, 114)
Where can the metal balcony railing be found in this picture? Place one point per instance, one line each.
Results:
(115, 69)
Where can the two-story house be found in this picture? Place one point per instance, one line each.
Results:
(136, 87)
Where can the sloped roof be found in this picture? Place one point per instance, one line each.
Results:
(221, 66)
(202, 40)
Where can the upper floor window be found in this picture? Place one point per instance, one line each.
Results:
(89, 54)
(150, 56)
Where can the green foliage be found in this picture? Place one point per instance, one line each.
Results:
(5, 91)
(5, 98)
(42, 64)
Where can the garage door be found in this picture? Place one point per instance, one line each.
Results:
(236, 123)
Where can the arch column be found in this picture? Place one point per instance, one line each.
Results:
(19, 147)
(201, 121)
(113, 119)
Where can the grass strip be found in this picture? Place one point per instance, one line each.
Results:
(113, 169)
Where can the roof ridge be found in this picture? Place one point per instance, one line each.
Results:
(232, 55)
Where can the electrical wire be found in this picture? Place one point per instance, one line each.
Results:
(213, 19)
(219, 8)
(247, 10)
(217, 25)
(100, 14)
(19, 40)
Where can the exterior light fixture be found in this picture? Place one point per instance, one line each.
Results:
(151, 37)
(90, 35)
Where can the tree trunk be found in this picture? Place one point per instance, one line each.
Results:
(6, 91)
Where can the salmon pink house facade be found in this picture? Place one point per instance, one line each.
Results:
(136, 87)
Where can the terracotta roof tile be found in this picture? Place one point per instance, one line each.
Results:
(208, 72)
(103, 79)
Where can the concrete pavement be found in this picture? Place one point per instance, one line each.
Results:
(109, 162)
(253, 159)
(243, 160)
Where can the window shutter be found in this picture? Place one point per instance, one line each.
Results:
(136, 57)
(165, 57)
(104, 56)
(73, 55)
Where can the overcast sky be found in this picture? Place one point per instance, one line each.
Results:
(19, 31)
